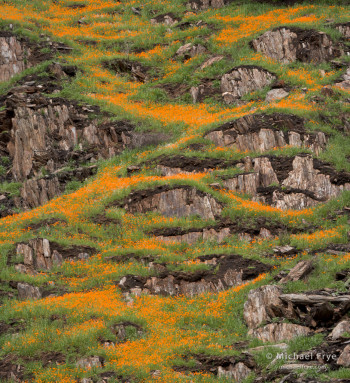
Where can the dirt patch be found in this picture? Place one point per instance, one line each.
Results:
(102, 219)
(49, 358)
(174, 91)
(11, 327)
(10, 369)
(191, 164)
(46, 223)
(135, 70)
(131, 257)
(237, 227)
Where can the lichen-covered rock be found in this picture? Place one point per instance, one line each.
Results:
(177, 201)
(243, 80)
(261, 132)
(289, 44)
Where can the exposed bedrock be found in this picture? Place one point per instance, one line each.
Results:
(243, 80)
(289, 182)
(42, 254)
(289, 44)
(175, 201)
(225, 271)
(262, 132)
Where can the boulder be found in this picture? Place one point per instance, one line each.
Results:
(344, 358)
(340, 329)
(277, 332)
(256, 306)
(243, 80)
(27, 291)
(290, 44)
(210, 61)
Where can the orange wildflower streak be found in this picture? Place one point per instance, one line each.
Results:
(254, 24)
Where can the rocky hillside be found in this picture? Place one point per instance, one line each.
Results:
(174, 191)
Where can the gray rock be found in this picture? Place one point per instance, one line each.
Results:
(238, 372)
(255, 308)
(243, 80)
(289, 44)
(88, 363)
(341, 328)
(276, 94)
(27, 291)
(344, 358)
(277, 332)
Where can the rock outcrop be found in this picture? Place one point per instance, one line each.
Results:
(201, 5)
(243, 80)
(175, 201)
(13, 56)
(43, 137)
(225, 271)
(42, 254)
(276, 332)
(27, 291)
(219, 231)
(290, 182)
(18, 53)
(262, 132)
(256, 307)
(344, 29)
(289, 44)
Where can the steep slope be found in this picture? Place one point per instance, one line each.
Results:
(175, 189)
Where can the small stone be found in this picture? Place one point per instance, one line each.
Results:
(276, 94)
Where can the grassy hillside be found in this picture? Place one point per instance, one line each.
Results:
(82, 302)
